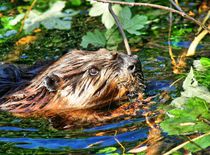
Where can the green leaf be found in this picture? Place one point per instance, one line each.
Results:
(202, 73)
(190, 80)
(132, 25)
(113, 38)
(204, 78)
(95, 38)
(97, 9)
(5, 21)
(205, 62)
(199, 144)
(125, 15)
(76, 2)
(189, 119)
(102, 9)
(107, 150)
(135, 24)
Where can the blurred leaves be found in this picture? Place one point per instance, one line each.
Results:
(53, 18)
(179, 33)
(7, 31)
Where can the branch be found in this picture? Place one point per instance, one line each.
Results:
(176, 6)
(183, 14)
(195, 42)
(204, 21)
(169, 40)
(120, 29)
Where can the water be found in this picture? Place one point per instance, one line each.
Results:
(76, 144)
(33, 134)
(37, 136)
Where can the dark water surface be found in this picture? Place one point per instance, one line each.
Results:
(37, 135)
(28, 136)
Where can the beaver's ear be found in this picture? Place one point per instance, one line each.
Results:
(114, 55)
(51, 82)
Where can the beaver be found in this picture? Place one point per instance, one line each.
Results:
(78, 85)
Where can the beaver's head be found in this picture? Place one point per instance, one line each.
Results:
(80, 80)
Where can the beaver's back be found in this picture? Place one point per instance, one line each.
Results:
(14, 77)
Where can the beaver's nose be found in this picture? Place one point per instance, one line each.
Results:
(131, 65)
(131, 68)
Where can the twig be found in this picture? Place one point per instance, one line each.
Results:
(195, 42)
(204, 21)
(156, 6)
(127, 47)
(26, 15)
(176, 81)
(169, 40)
(185, 143)
(177, 2)
(176, 6)
(200, 35)
(123, 148)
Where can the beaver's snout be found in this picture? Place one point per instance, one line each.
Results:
(130, 62)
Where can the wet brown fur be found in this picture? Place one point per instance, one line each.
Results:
(67, 90)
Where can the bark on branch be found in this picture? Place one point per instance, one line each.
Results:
(127, 47)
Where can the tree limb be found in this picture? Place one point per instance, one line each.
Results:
(127, 47)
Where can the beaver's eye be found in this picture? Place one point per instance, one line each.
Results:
(93, 71)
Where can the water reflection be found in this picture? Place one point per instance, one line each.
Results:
(80, 143)
(12, 128)
(115, 125)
